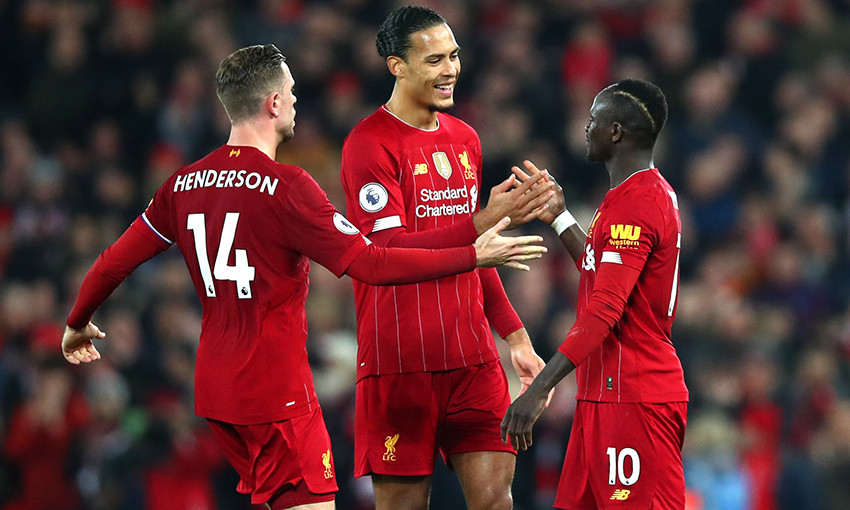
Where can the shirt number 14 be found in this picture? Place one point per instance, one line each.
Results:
(240, 272)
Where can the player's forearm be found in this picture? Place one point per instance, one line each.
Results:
(96, 287)
(497, 307)
(614, 284)
(570, 233)
(398, 266)
(518, 338)
(110, 269)
(573, 240)
(458, 234)
(556, 369)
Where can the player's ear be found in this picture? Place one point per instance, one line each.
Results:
(616, 132)
(396, 65)
(272, 104)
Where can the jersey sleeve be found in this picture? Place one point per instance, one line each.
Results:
(611, 291)
(631, 229)
(134, 247)
(370, 176)
(159, 217)
(497, 307)
(317, 229)
(398, 266)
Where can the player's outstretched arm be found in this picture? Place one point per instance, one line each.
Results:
(524, 411)
(556, 214)
(521, 202)
(376, 265)
(106, 274)
(493, 250)
(77, 346)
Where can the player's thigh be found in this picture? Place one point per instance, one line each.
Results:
(401, 492)
(632, 455)
(476, 399)
(486, 478)
(395, 425)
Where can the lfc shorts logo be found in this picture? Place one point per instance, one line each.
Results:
(326, 460)
(621, 495)
(389, 443)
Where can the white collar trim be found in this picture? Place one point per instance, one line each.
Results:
(411, 125)
(632, 175)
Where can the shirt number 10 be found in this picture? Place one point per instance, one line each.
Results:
(616, 466)
(240, 272)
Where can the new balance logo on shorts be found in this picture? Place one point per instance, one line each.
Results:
(389, 455)
(621, 494)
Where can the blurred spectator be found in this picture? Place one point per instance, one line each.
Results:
(42, 437)
(713, 467)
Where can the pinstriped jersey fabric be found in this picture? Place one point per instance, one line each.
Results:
(637, 225)
(396, 175)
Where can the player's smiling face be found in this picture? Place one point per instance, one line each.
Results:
(432, 68)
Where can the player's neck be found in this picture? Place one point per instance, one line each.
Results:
(411, 112)
(621, 166)
(249, 134)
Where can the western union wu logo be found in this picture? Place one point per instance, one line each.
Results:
(625, 232)
(389, 455)
(621, 495)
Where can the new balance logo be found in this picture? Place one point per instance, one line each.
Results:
(621, 495)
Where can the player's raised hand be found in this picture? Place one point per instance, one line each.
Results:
(492, 250)
(77, 346)
(556, 204)
(521, 202)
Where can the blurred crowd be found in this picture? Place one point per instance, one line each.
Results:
(101, 100)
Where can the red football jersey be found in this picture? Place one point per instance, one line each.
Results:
(396, 175)
(246, 226)
(637, 225)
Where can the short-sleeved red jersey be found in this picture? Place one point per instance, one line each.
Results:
(246, 226)
(637, 225)
(396, 175)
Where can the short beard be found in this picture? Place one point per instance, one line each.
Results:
(441, 109)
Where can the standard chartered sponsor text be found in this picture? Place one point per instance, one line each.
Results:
(225, 179)
(431, 195)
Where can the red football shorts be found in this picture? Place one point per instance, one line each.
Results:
(624, 456)
(402, 420)
(285, 463)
